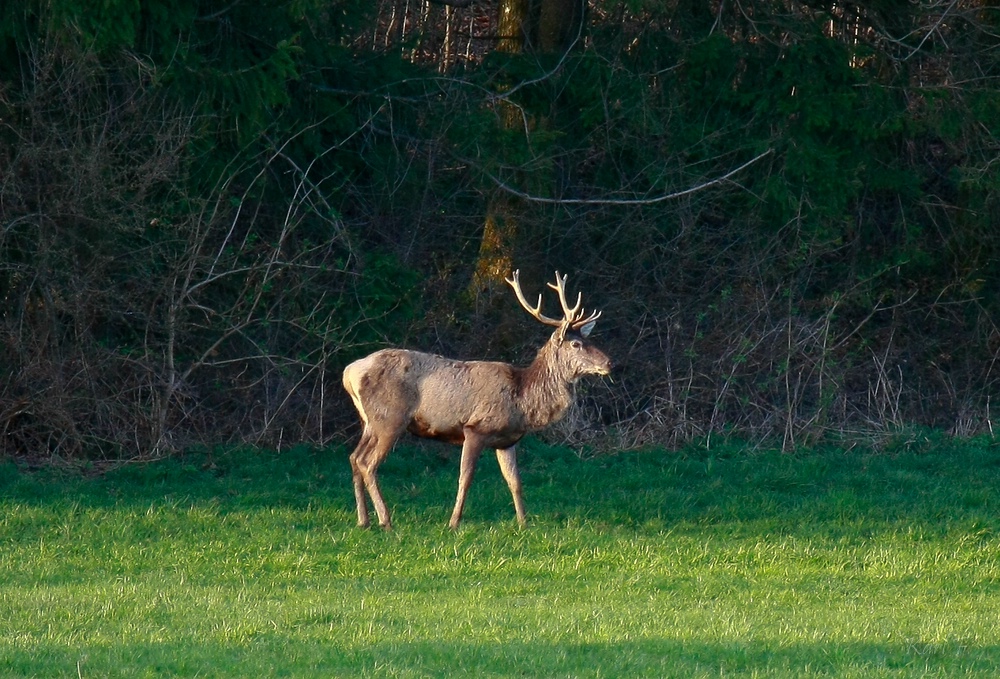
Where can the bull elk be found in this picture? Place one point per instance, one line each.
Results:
(472, 403)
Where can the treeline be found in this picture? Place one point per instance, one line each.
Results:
(785, 210)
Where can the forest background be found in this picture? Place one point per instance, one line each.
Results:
(784, 209)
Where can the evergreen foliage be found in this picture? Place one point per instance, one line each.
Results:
(209, 207)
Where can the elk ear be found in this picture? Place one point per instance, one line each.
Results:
(588, 328)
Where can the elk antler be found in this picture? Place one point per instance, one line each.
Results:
(536, 310)
(572, 317)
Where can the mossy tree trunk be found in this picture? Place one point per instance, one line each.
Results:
(548, 26)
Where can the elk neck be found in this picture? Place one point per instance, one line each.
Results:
(545, 393)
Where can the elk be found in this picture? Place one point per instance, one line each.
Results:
(472, 403)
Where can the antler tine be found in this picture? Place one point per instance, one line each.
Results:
(535, 311)
(594, 315)
(574, 317)
(571, 315)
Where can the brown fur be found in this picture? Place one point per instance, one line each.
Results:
(476, 404)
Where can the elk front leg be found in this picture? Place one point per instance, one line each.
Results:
(507, 457)
(471, 450)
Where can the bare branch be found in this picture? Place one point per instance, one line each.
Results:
(460, 4)
(627, 201)
(215, 15)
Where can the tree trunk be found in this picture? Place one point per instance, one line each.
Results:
(500, 227)
(556, 29)
(559, 25)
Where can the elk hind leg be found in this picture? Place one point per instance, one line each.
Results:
(367, 466)
(507, 457)
(359, 454)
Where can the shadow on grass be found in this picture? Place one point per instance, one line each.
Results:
(274, 656)
(934, 487)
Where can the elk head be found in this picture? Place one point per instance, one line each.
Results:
(571, 355)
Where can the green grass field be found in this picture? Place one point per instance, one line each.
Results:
(660, 564)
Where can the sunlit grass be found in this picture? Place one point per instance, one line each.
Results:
(693, 564)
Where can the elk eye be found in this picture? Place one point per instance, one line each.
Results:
(576, 344)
